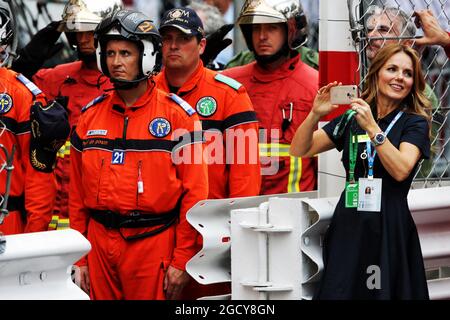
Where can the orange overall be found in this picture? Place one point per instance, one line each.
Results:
(223, 106)
(76, 85)
(32, 192)
(231, 132)
(127, 159)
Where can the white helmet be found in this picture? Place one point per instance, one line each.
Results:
(132, 26)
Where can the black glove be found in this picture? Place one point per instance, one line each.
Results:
(40, 48)
(215, 43)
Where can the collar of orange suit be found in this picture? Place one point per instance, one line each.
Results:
(283, 71)
(190, 84)
(117, 102)
(3, 70)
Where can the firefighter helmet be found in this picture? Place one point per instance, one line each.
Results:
(274, 11)
(85, 15)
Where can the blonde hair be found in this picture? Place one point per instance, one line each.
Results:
(415, 102)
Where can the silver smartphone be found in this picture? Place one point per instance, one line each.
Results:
(343, 94)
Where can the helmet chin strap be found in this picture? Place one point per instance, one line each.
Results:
(120, 84)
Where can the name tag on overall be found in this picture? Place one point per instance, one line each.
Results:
(369, 195)
(351, 195)
(118, 157)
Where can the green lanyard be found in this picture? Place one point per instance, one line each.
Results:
(345, 120)
(353, 153)
(353, 145)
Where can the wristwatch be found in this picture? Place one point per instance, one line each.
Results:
(379, 138)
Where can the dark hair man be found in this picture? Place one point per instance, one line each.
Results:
(281, 87)
(129, 193)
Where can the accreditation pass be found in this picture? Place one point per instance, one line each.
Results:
(369, 195)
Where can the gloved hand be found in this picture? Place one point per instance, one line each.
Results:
(40, 48)
(215, 43)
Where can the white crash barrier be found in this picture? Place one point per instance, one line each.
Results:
(271, 247)
(212, 219)
(266, 259)
(38, 265)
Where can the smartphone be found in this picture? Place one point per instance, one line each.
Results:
(343, 94)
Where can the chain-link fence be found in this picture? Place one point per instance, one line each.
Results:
(377, 22)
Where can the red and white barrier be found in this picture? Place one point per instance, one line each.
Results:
(338, 58)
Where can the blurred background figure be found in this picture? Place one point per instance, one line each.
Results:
(226, 8)
(154, 8)
(210, 15)
(217, 33)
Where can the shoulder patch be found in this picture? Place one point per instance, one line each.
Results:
(30, 85)
(6, 103)
(183, 104)
(228, 81)
(94, 102)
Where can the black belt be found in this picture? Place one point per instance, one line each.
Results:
(17, 203)
(136, 219)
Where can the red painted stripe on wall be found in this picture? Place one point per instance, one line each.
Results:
(341, 67)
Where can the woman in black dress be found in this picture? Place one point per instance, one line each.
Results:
(371, 248)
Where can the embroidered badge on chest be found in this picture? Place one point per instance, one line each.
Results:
(206, 106)
(6, 103)
(159, 127)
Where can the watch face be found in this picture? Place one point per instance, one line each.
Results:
(379, 138)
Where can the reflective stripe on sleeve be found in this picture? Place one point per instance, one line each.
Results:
(295, 163)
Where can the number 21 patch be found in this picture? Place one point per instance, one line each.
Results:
(118, 157)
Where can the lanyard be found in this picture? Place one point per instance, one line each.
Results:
(353, 153)
(353, 145)
(370, 156)
(340, 127)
